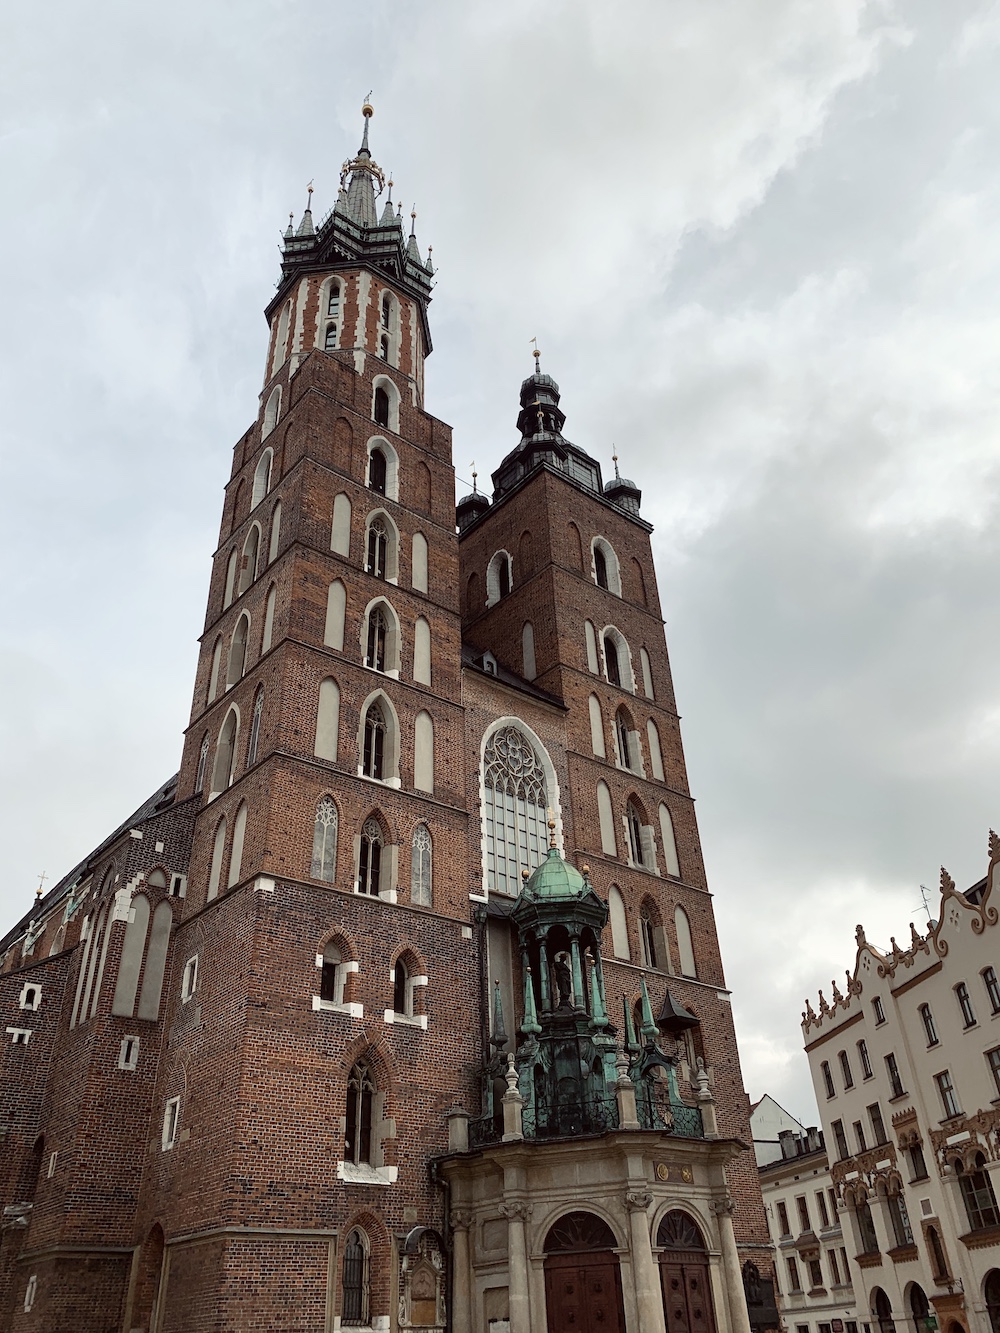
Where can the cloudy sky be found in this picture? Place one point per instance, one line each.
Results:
(758, 243)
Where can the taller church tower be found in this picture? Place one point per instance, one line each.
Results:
(401, 1007)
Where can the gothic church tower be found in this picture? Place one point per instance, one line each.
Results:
(401, 1006)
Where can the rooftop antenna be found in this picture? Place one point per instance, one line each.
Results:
(925, 895)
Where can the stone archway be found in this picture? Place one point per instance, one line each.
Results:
(684, 1276)
(583, 1284)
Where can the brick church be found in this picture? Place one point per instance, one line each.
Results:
(401, 1005)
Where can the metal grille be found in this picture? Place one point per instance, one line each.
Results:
(355, 1306)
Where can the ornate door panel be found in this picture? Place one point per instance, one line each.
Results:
(583, 1293)
(687, 1297)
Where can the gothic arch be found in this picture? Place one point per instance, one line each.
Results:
(391, 392)
(549, 773)
(391, 487)
(390, 766)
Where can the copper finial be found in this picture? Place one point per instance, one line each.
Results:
(367, 109)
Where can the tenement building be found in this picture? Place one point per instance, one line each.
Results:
(906, 1066)
(401, 1005)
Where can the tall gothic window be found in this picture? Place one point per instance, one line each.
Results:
(514, 809)
(420, 873)
(324, 853)
(378, 546)
(377, 631)
(384, 347)
(377, 471)
(199, 782)
(355, 1283)
(258, 713)
(330, 341)
(370, 858)
(373, 759)
(611, 658)
(635, 834)
(623, 729)
(386, 312)
(358, 1133)
(600, 567)
(381, 406)
(333, 302)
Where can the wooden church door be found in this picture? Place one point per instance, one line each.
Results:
(583, 1286)
(684, 1278)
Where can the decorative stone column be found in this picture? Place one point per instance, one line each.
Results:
(513, 1105)
(645, 1273)
(739, 1318)
(517, 1213)
(461, 1271)
(628, 1115)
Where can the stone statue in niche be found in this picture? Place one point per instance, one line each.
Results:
(421, 1288)
(564, 980)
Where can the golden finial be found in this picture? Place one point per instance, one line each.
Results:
(367, 109)
(525, 874)
(585, 870)
(552, 830)
(535, 353)
(41, 884)
(475, 478)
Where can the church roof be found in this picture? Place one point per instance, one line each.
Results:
(555, 880)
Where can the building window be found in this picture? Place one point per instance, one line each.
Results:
(805, 1223)
(378, 547)
(373, 759)
(333, 301)
(938, 1261)
(623, 732)
(918, 1166)
(840, 1139)
(333, 975)
(834, 1267)
(899, 1218)
(370, 859)
(930, 1030)
(815, 1274)
(793, 1277)
(600, 567)
(878, 1011)
(420, 867)
(384, 347)
(992, 988)
(355, 1284)
(402, 992)
(377, 633)
(949, 1099)
(499, 577)
(381, 407)
(30, 1292)
(991, 1292)
(199, 781)
(993, 1060)
(977, 1195)
(647, 938)
(258, 712)
(863, 1056)
(377, 471)
(892, 1069)
(612, 661)
(965, 1004)
(171, 1115)
(514, 809)
(783, 1218)
(859, 1136)
(824, 1217)
(330, 340)
(189, 979)
(866, 1228)
(634, 823)
(828, 1083)
(128, 1054)
(358, 1132)
(845, 1069)
(387, 311)
(324, 850)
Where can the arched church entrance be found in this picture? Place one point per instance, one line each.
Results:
(684, 1279)
(583, 1281)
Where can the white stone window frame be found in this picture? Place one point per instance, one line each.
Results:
(189, 978)
(393, 328)
(634, 762)
(20, 1036)
(611, 564)
(128, 1054)
(410, 1019)
(392, 546)
(53, 1160)
(392, 391)
(391, 756)
(272, 412)
(391, 467)
(493, 595)
(32, 989)
(350, 1007)
(30, 1292)
(551, 788)
(171, 1124)
(323, 317)
(625, 667)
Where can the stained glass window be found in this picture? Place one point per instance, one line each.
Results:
(514, 809)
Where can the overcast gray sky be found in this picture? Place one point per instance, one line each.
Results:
(757, 241)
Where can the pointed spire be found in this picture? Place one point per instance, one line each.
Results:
(359, 199)
(649, 1029)
(306, 227)
(614, 459)
(599, 1015)
(412, 248)
(499, 1038)
(530, 1026)
(388, 216)
(631, 1045)
(290, 229)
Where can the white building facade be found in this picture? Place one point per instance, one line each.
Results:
(906, 1068)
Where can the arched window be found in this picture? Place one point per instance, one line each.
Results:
(225, 753)
(370, 858)
(358, 1134)
(418, 563)
(386, 310)
(336, 606)
(324, 852)
(261, 478)
(281, 336)
(977, 1194)
(655, 753)
(381, 407)
(991, 1295)
(606, 819)
(499, 577)
(939, 1262)
(199, 781)
(218, 851)
(373, 763)
(611, 664)
(238, 651)
(514, 809)
(258, 713)
(685, 945)
(268, 630)
(881, 1305)
(340, 532)
(271, 412)
(669, 843)
(230, 590)
(377, 470)
(333, 301)
(422, 651)
(330, 337)
(251, 552)
(133, 948)
(423, 752)
(647, 674)
(619, 923)
(272, 549)
(421, 888)
(596, 727)
(617, 663)
(636, 841)
(354, 1309)
(605, 567)
(327, 721)
(378, 630)
(647, 939)
(378, 546)
(402, 995)
(156, 961)
(627, 742)
(213, 675)
(333, 976)
(866, 1230)
(236, 850)
(383, 347)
